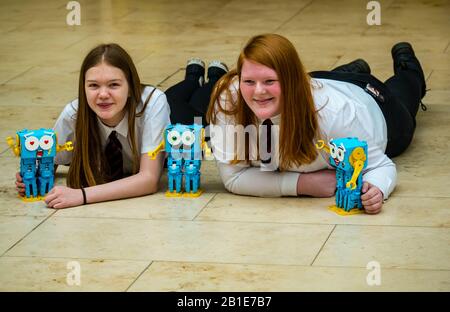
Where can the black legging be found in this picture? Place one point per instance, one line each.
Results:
(187, 99)
(402, 96)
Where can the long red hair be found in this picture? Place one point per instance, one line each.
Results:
(299, 124)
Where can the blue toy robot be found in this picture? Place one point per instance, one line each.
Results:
(37, 150)
(349, 157)
(184, 145)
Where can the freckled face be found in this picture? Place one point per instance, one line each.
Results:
(260, 89)
(107, 91)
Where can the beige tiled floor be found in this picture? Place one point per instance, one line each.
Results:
(220, 241)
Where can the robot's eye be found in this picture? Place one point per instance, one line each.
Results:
(31, 143)
(46, 142)
(333, 151)
(174, 137)
(188, 138)
(340, 154)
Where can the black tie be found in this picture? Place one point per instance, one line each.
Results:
(113, 153)
(267, 134)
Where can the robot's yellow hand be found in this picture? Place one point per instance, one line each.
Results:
(10, 141)
(351, 185)
(13, 146)
(68, 146)
(321, 145)
(152, 155)
(208, 152)
(155, 152)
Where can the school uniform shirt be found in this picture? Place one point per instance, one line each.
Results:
(148, 128)
(344, 110)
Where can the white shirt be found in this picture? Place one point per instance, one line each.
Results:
(344, 110)
(148, 128)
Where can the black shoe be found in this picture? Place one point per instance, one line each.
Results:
(216, 69)
(195, 70)
(357, 66)
(405, 59)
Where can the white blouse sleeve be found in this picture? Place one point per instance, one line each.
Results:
(156, 119)
(380, 170)
(65, 131)
(245, 180)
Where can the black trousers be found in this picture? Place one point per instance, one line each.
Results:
(187, 99)
(399, 98)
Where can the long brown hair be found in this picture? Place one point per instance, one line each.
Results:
(299, 124)
(88, 162)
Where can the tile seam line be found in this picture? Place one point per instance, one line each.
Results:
(292, 17)
(252, 222)
(204, 207)
(28, 233)
(323, 245)
(155, 261)
(17, 76)
(139, 275)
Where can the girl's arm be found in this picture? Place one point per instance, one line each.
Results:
(145, 182)
(246, 180)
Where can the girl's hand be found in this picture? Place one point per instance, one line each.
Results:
(320, 183)
(372, 198)
(63, 197)
(20, 186)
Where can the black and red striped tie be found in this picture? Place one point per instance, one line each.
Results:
(113, 153)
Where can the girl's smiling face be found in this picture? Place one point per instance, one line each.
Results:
(107, 92)
(260, 89)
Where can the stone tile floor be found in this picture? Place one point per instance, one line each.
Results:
(220, 241)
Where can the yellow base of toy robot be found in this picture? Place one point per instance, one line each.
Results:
(175, 194)
(31, 199)
(199, 192)
(342, 212)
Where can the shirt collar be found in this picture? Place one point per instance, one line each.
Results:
(121, 128)
(275, 120)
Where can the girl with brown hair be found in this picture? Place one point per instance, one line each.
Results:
(280, 112)
(114, 122)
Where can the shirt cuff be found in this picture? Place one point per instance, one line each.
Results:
(384, 184)
(289, 183)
